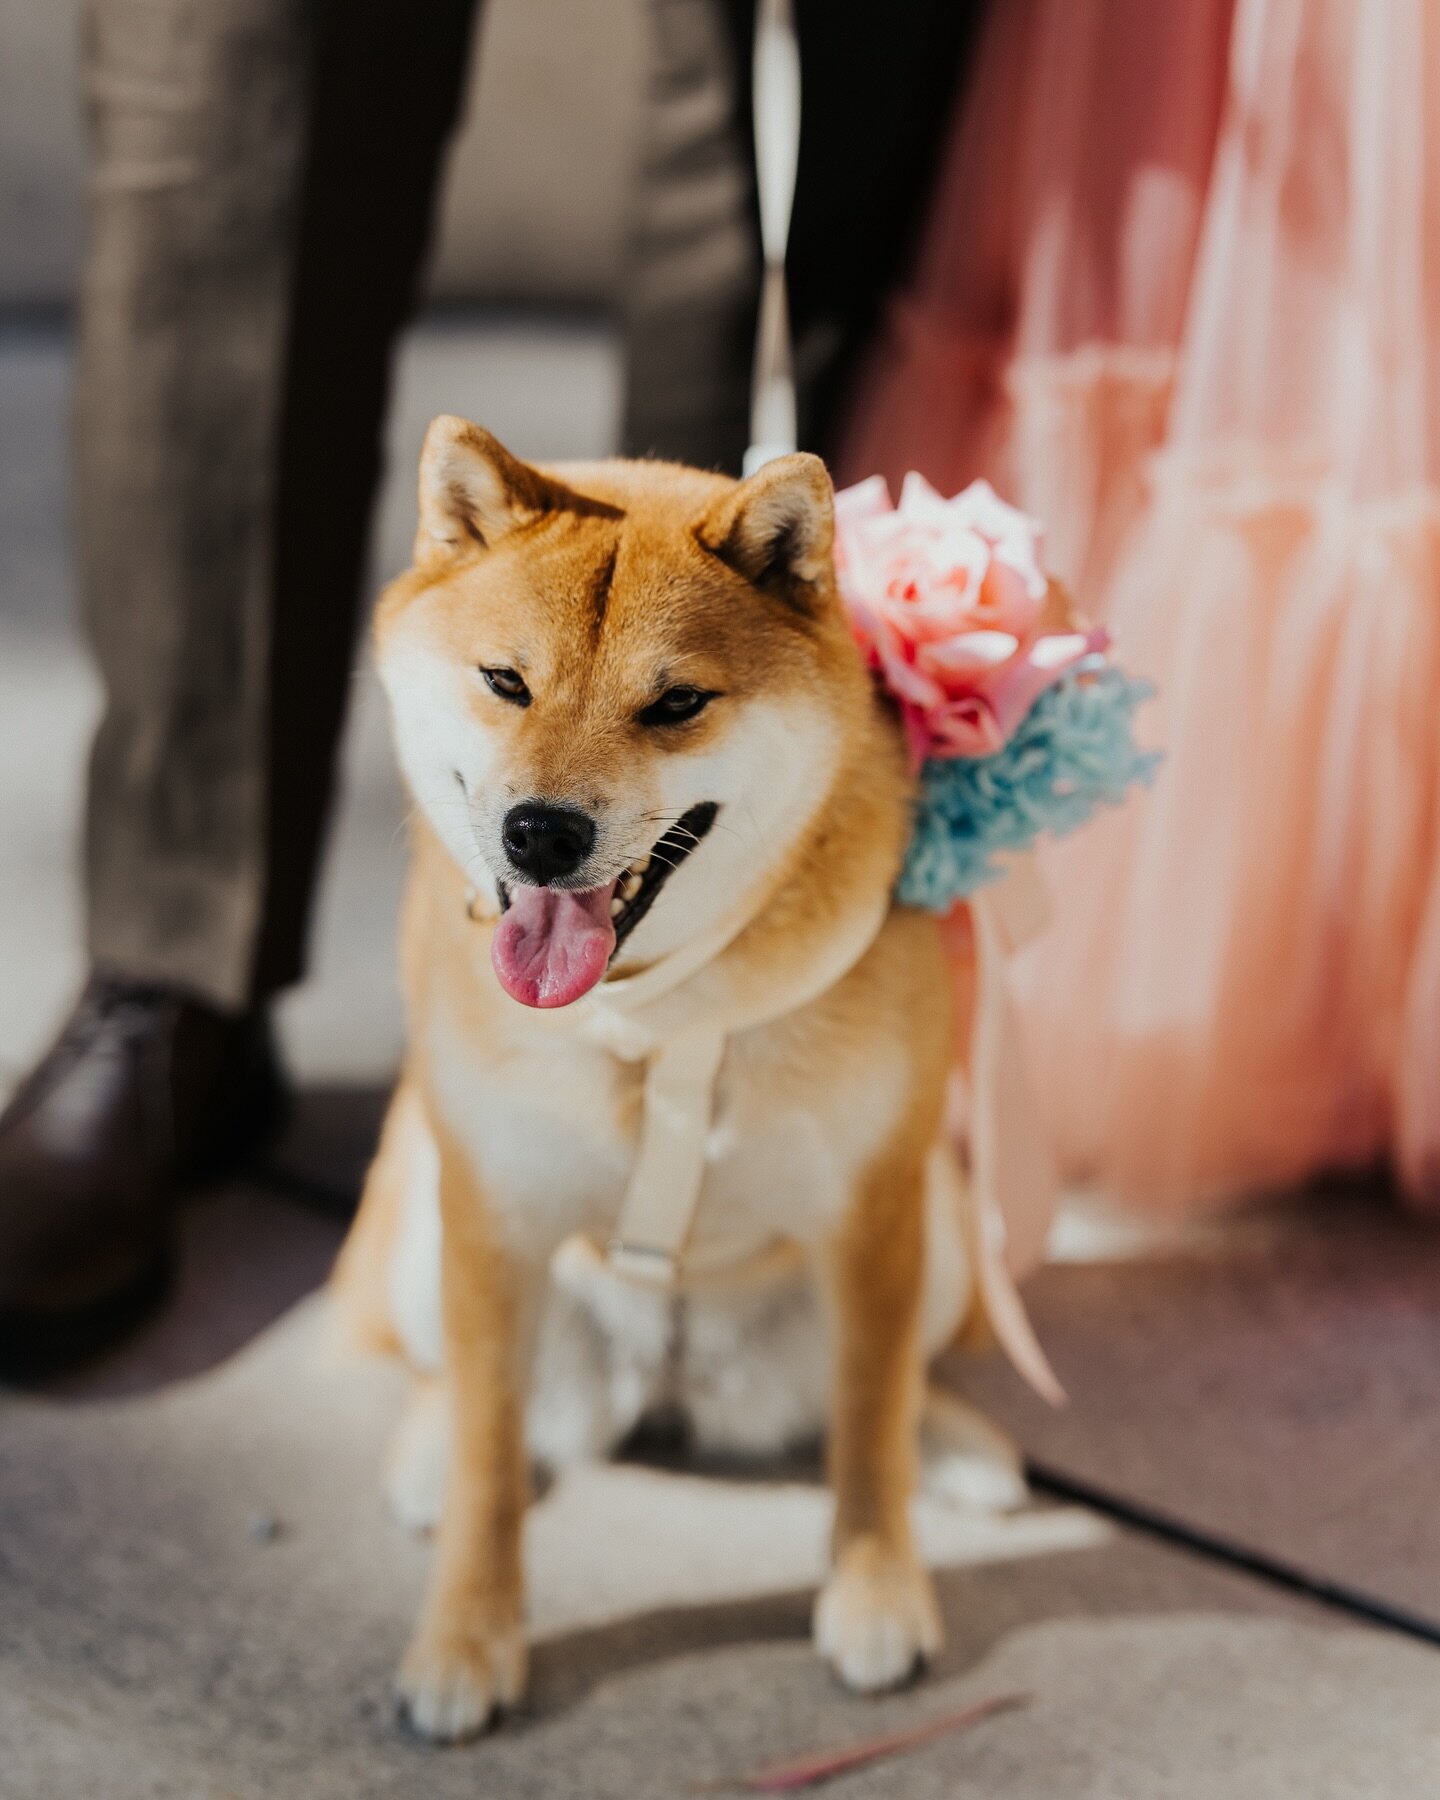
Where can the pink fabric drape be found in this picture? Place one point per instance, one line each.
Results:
(1181, 298)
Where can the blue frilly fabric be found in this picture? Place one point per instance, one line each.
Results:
(1074, 752)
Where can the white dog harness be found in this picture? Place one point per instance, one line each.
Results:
(681, 1038)
(643, 1017)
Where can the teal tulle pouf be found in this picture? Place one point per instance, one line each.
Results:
(1074, 751)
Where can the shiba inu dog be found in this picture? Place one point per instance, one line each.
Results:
(643, 749)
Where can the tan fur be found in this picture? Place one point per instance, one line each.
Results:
(468, 1652)
(600, 583)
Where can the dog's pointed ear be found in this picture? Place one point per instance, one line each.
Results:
(472, 491)
(777, 529)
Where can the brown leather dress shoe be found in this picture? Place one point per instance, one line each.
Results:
(143, 1093)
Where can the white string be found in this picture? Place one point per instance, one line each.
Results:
(776, 91)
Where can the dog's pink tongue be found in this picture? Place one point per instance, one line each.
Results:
(551, 946)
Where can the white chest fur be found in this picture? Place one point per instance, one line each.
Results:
(552, 1131)
(549, 1130)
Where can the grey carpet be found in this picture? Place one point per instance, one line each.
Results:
(154, 1643)
(1277, 1384)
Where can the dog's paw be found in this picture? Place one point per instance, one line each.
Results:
(452, 1690)
(876, 1620)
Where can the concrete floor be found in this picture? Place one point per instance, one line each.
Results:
(1265, 1389)
(154, 1643)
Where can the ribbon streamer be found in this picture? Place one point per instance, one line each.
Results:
(1012, 1175)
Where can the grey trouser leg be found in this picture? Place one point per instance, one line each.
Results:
(879, 84)
(261, 180)
(692, 276)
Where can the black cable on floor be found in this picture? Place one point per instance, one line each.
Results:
(1335, 1594)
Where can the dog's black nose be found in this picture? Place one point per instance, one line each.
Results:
(546, 843)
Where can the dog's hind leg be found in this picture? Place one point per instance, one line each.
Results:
(417, 1457)
(572, 1416)
(966, 1460)
(593, 1378)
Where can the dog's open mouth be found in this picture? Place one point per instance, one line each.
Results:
(637, 889)
(553, 945)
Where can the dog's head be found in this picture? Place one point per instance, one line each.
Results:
(620, 693)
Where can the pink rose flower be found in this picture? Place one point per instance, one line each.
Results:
(946, 598)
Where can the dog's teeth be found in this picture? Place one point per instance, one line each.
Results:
(617, 906)
(629, 885)
(640, 867)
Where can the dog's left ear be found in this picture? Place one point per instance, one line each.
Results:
(473, 491)
(777, 529)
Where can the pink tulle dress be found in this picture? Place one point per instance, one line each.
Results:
(1181, 298)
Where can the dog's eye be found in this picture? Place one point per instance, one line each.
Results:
(508, 685)
(676, 705)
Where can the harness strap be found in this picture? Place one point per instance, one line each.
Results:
(775, 90)
(664, 1191)
(1013, 1178)
(683, 1061)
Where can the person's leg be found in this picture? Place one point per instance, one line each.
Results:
(199, 117)
(692, 269)
(877, 88)
(262, 181)
(879, 84)
(262, 178)
(388, 94)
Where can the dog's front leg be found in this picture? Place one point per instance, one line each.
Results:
(467, 1657)
(876, 1616)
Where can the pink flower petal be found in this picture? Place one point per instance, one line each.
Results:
(966, 656)
(902, 677)
(917, 736)
(1020, 683)
(944, 598)
(865, 500)
(1062, 648)
(965, 727)
(1005, 601)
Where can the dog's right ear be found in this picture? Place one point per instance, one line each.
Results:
(777, 529)
(472, 491)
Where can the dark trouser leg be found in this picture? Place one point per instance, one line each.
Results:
(262, 180)
(879, 87)
(692, 276)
